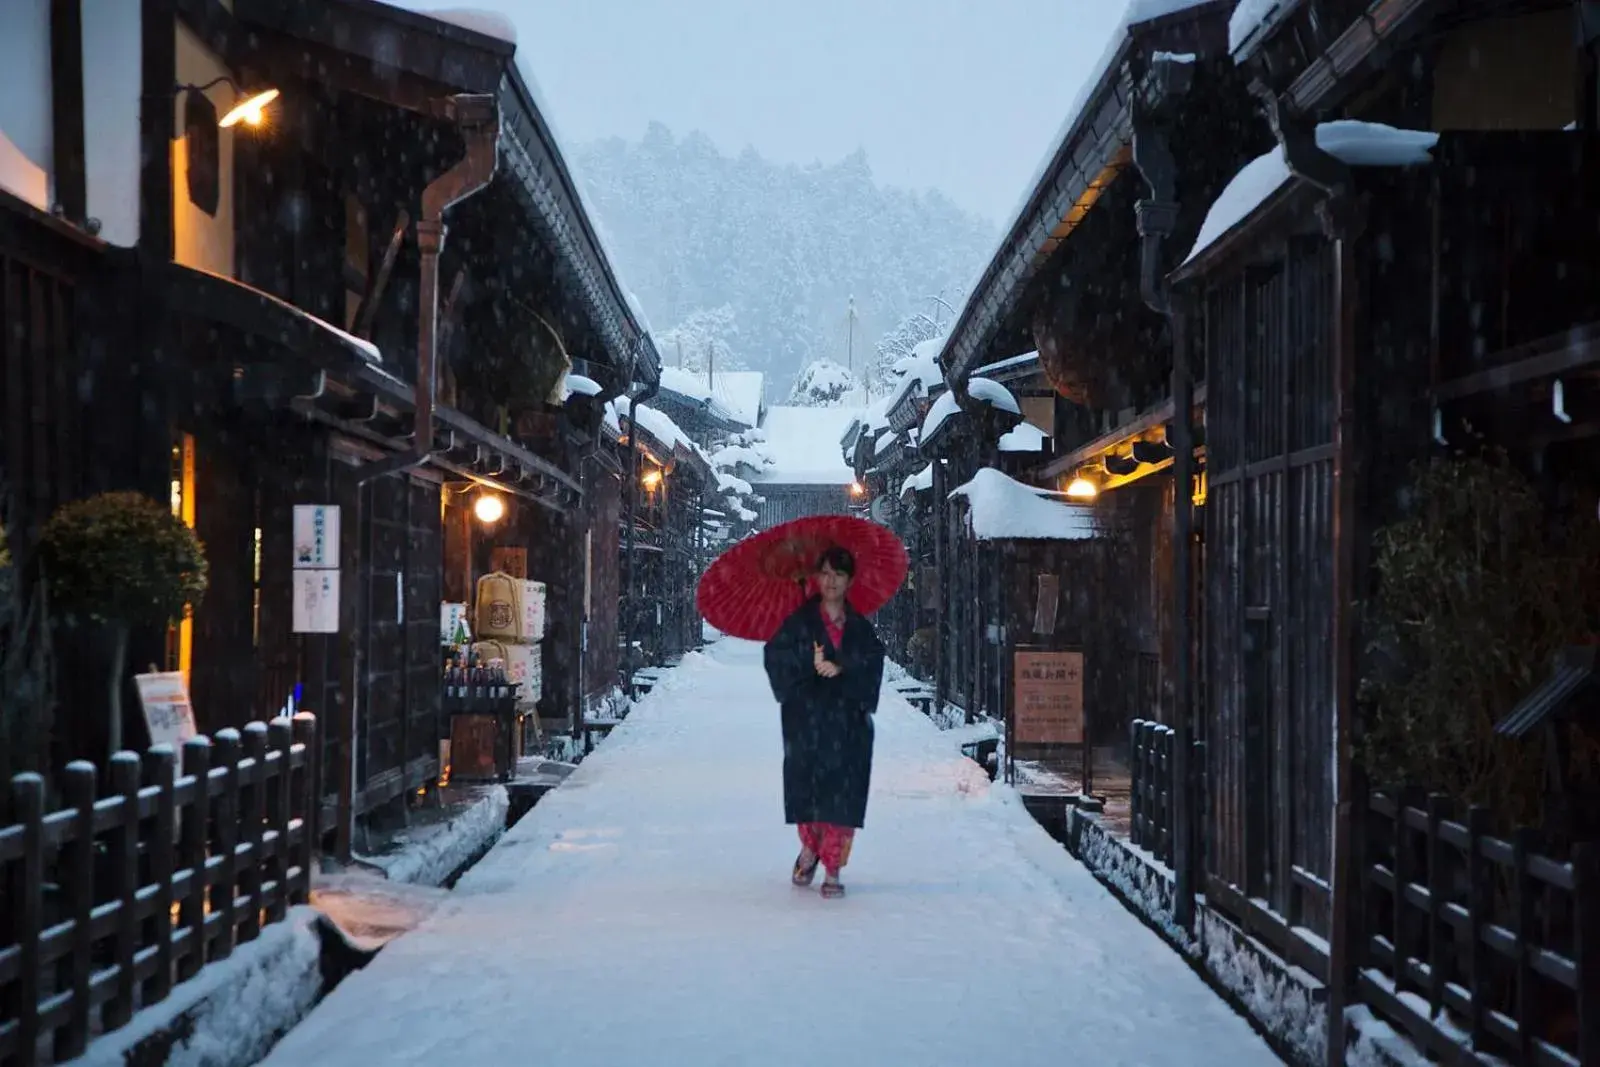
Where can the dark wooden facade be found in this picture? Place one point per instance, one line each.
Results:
(216, 363)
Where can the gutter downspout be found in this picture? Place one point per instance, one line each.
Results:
(649, 394)
(583, 527)
(1157, 219)
(478, 116)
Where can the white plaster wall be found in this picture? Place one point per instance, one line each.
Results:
(111, 76)
(26, 154)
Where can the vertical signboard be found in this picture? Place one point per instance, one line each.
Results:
(316, 569)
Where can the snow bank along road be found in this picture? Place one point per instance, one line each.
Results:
(642, 914)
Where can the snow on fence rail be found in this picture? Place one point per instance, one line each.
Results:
(107, 901)
(1150, 812)
(1474, 944)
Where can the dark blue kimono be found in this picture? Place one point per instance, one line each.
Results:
(827, 722)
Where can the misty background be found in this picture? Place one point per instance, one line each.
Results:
(756, 165)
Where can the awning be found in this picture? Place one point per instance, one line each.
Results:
(324, 374)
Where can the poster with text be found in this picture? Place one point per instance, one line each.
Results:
(316, 602)
(1047, 698)
(167, 712)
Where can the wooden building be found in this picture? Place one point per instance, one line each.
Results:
(368, 299)
(1256, 335)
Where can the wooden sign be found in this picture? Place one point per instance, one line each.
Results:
(1047, 698)
(474, 747)
(512, 561)
(165, 700)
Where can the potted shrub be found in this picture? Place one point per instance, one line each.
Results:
(120, 560)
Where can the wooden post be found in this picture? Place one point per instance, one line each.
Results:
(309, 801)
(1346, 297)
(1441, 954)
(125, 884)
(1136, 786)
(77, 887)
(1185, 855)
(192, 856)
(160, 765)
(224, 890)
(19, 1000)
(1524, 843)
(1586, 947)
(1480, 912)
(252, 823)
(282, 814)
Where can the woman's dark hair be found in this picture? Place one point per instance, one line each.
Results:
(839, 559)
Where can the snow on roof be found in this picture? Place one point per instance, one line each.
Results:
(983, 390)
(689, 384)
(942, 409)
(657, 424)
(1359, 144)
(1025, 437)
(802, 444)
(1008, 364)
(1003, 509)
(489, 23)
(582, 385)
(1248, 17)
(920, 370)
(1136, 12)
(991, 392)
(740, 392)
(22, 177)
(919, 482)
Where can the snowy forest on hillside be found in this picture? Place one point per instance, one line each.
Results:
(749, 264)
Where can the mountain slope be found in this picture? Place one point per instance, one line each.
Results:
(785, 247)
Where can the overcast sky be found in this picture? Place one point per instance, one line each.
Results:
(960, 95)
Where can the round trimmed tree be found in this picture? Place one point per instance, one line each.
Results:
(121, 560)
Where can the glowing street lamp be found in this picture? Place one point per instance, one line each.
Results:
(250, 111)
(489, 509)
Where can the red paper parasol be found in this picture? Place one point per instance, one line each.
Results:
(749, 590)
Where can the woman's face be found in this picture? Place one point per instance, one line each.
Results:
(832, 584)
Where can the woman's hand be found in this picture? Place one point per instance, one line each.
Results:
(826, 668)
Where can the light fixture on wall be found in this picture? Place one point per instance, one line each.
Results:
(1081, 488)
(489, 508)
(857, 489)
(651, 479)
(203, 151)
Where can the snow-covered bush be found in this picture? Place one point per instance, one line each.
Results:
(741, 457)
(824, 384)
(897, 346)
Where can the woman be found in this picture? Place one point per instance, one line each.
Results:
(825, 666)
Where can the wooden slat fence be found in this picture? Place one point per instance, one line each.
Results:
(124, 890)
(1150, 825)
(1474, 944)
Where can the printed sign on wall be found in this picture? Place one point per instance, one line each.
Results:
(1047, 698)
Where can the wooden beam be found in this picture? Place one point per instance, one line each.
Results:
(1547, 357)
(158, 58)
(66, 103)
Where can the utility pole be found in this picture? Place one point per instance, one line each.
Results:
(711, 366)
(680, 353)
(850, 335)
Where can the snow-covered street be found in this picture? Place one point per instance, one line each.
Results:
(642, 914)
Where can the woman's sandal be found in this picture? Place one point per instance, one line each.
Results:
(805, 874)
(832, 890)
